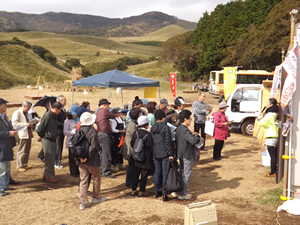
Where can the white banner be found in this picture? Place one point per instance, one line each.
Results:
(276, 81)
(290, 66)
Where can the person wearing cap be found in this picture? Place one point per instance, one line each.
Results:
(20, 119)
(48, 131)
(69, 130)
(178, 106)
(118, 129)
(162, 152)
(221, 130)
(91, 164)
(200, 110)
(185, 142)
(7, 142)
(126, 149)
(151, 107)
(85, 107)
(163, 104)
(104, 131)
(170, 116)
(142, 167)
(60, 119)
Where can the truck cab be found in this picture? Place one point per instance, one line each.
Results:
(244, 106)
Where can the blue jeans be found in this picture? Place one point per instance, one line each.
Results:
(4, 174)
(160, 174)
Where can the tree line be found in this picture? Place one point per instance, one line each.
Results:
(249, 33)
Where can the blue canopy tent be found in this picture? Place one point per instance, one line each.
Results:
(115, 78)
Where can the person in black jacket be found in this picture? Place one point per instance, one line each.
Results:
(142, 167)
(162, 152)
(7, 142)
(90, 164)
(186, 142)
(61, 117)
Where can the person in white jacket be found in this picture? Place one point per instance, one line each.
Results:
(20, 121)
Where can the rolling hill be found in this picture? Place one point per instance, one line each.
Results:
(19, 65)
(69, 23)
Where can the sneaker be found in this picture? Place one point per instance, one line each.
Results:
(114, 168)
(53, 180)
(186, 197)
(27, 167)
(174, 194)
(9, 188)
(58, 166)
(41, 160)
(143, 194)
(22, 170)
(83, 206)
(121, 167)
(110, 176)
(95, 200)
(134, 193)
(204, 149)
(3, 194)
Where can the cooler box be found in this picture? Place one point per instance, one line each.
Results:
(265, 158)
(200, 213)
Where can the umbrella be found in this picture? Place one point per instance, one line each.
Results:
(45, 100)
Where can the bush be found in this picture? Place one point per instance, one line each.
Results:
(72, 62)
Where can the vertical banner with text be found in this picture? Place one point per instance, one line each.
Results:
(229, 80)
(173, 83)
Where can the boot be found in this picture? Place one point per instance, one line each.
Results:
(165, 198)
(158, 194)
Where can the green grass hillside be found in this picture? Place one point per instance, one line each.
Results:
(19, 65)
(162, 34)
(81, 46)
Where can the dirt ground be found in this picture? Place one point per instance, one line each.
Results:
(232, 184)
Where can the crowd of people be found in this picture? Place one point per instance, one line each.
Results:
(165, 133)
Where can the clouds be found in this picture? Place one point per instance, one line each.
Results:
(190, 10)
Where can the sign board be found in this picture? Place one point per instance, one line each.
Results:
(173, 83)
(229, 80)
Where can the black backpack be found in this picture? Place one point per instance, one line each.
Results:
(79, 145)
(138, 151)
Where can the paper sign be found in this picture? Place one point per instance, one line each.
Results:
(150, 92)
(173, 83)
(276, 80)
(229, 80)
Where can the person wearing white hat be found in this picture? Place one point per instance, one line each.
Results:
(142, 167)
(221, 130)
(91, 164)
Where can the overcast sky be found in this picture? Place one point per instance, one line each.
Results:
(190, 10)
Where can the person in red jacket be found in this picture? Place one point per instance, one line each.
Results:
(221, 130)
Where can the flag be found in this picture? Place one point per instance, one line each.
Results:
(229, 80)
(173, 83)
(276, 81)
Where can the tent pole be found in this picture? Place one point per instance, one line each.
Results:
(159, 93)
(122, 106)
(72, 94)
(108, 94)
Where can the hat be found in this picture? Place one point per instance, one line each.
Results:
(159, 114)
(164, 102)
(103, 101)
(170, 112)
(2, 101)
(116, 110)
(179, 102)
(73, 109)
(142, 120)
(223, 105)
(87, 119)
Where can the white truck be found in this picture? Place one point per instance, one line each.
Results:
(244, 106)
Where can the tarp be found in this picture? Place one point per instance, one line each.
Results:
(116, 78)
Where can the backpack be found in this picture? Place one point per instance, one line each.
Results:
(79, 145)
(138, 152)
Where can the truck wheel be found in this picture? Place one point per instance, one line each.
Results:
(248, 127)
